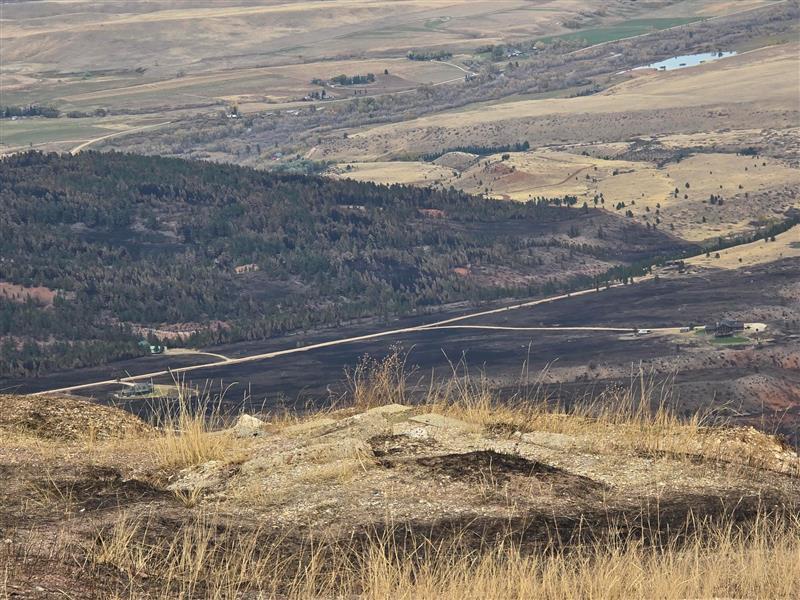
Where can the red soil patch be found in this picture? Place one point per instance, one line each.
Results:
(499, 169)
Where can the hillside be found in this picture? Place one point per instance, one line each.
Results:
(101, 250)
(453, 497)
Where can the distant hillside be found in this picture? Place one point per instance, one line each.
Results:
(101, 249)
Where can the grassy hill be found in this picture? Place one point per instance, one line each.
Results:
(457, 496)
(100, 250)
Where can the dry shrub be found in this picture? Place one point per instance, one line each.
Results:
(378, 382)
(639, 417)
(190, 431)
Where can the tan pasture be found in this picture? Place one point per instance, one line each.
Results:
(76, 35)
(750, 187)
(541, 173)
(710, 139)
(289, 82)
(769, 76)
(412, 173)
(786, 245)
(734, 178)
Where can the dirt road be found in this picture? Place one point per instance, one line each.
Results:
(88, 143)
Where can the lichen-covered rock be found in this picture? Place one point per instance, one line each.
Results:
(248, 426)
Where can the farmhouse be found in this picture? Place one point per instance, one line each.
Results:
(725, 327)
(152, 348)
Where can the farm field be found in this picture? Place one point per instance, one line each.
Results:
(623, 30)
(51, 36)
(766, 79)
(406, 172)
(63, 135)
(60, 53)
(241, 86)
(168, 60)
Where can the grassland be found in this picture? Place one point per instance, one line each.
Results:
(639, 143)
(157, 58)
(265, 84)
(646, 189)
(786, 245)
(63, 47)
(768, 77)
(620, 31)
(406, 172)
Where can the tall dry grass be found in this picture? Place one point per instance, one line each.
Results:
(378, 382)
(640, 415)
(190, 429)
(200, 560)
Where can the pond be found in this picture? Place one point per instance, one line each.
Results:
(687, 60)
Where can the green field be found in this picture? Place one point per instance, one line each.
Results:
(39, 130)
(730, 341)
(734, 340)
(622, 30)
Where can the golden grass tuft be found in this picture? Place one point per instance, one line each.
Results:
(190, 432)
(378, 382)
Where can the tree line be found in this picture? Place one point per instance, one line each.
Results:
(479, 150)
(31, 110)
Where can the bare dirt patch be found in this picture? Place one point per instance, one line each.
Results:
(21, 293)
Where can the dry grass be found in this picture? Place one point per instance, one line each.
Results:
(766, 75)
(405, 172)
(189, 432)
(194, 549)
(377, 383)
(339, 470)
(710, 560)
(786, 245)
(638, 415)
(646, 189)
(639, 418)
(635, 417)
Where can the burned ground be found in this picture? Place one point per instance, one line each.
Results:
(704, 375)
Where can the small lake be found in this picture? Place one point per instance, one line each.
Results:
(687, 60)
